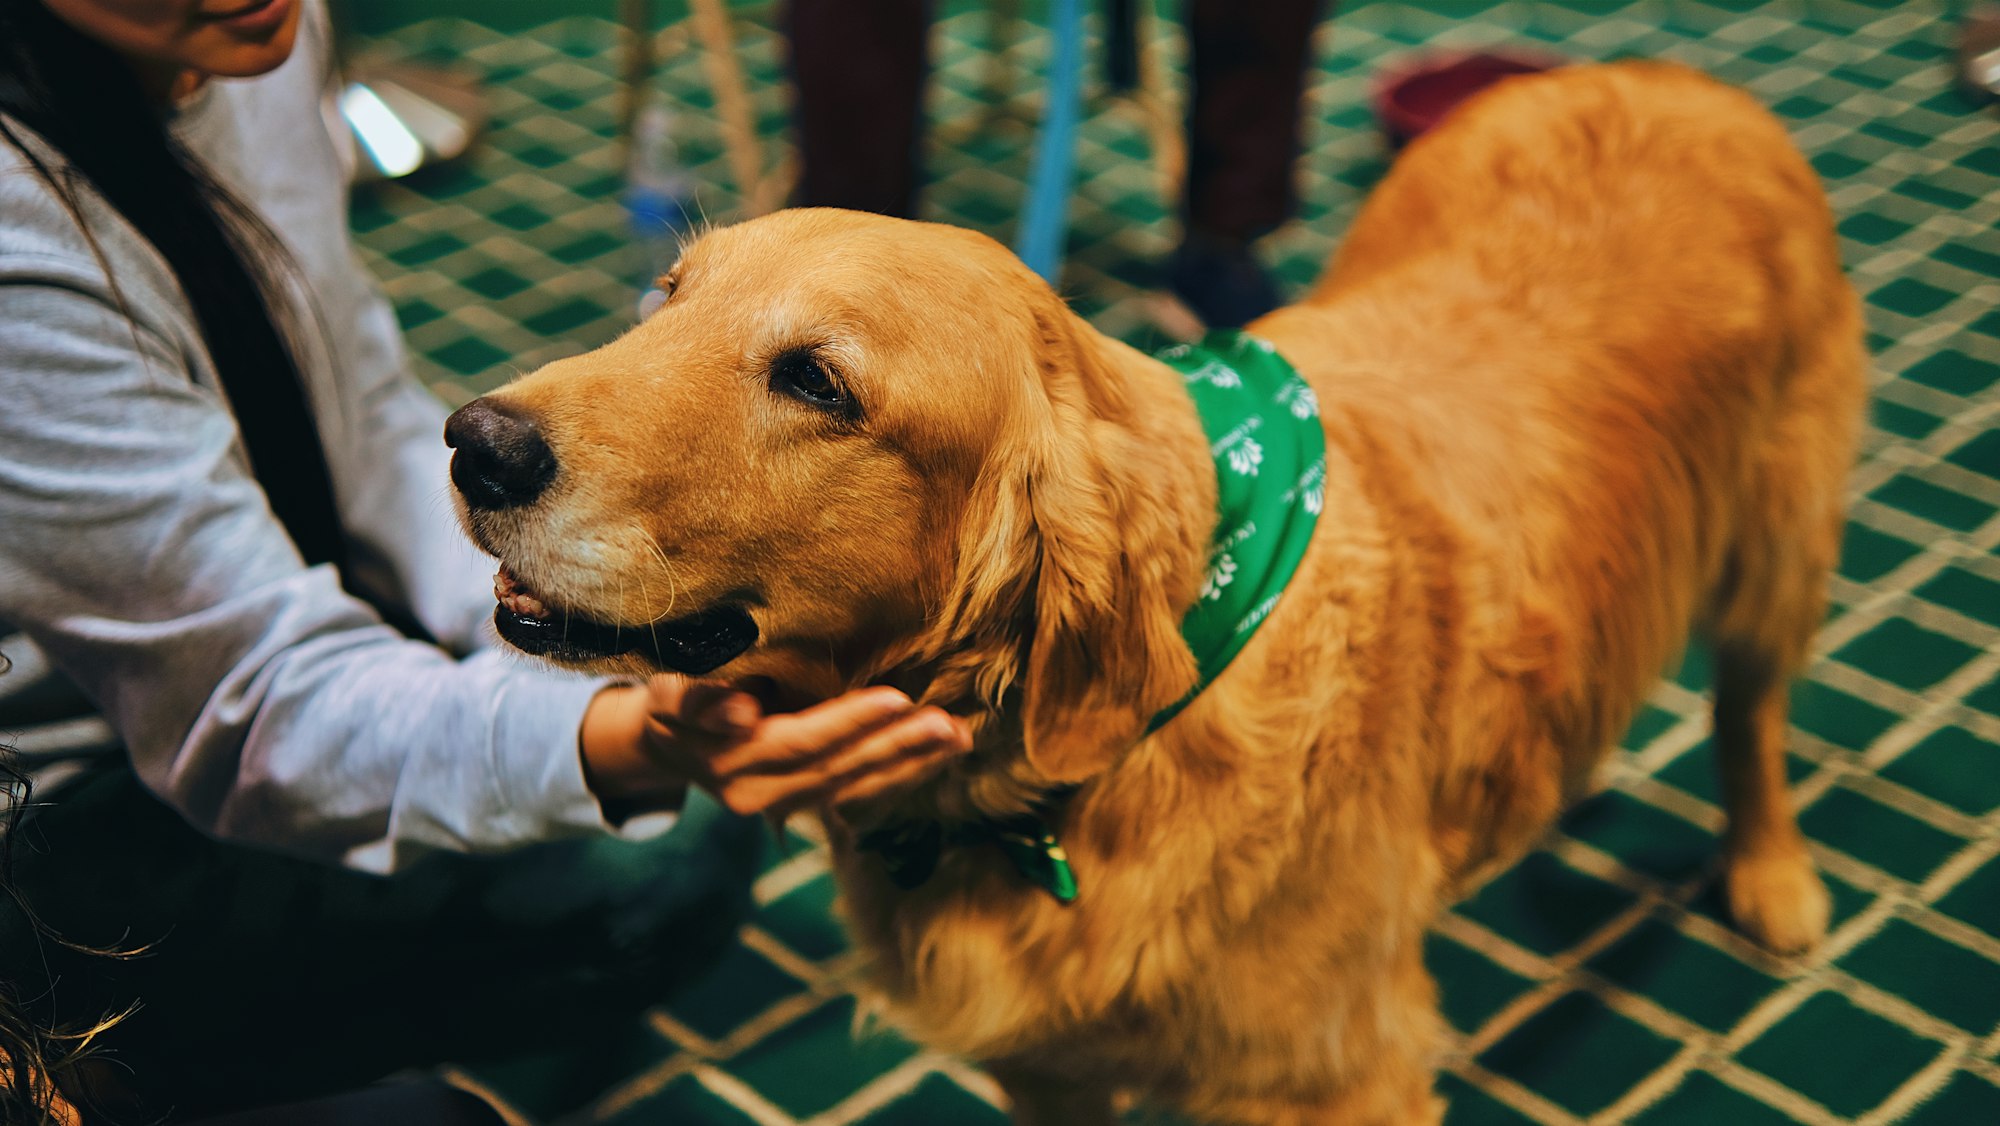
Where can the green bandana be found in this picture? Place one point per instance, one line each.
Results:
(1270, 476)
(1270, 472)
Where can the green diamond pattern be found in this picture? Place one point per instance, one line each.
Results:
(1907, 654)
(1905, 422)
(936, 1100)
(1968, 1099)
(1911, 297)
(1867, 555)
(1883, 835)
(743, 985)
(1952, 766)
(684, 1100)
(1838, 717)
(1595, 981)
(1843, 1057)
(1934, 973)
(1973, 595)
(1954, 371)
(1579, 1053)
(1935, 503)
(817, 1061)
(1481, 987)
(1704, 1098)
(1976, 899)
(1544, 905)
(1686, 975)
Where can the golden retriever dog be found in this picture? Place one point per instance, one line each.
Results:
(1589, 376)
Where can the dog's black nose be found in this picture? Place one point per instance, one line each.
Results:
(502, 461)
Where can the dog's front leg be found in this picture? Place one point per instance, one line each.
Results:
(1042, 1099)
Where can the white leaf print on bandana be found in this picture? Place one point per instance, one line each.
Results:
(1220, 375)
(1246, 456)
(1220, 574)
(1304, 403)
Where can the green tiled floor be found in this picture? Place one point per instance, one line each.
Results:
(1597, 981)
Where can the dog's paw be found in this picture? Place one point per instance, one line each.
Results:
(1429, 1111)
(1777, 898)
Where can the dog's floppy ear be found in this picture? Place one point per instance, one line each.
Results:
(1082, 560)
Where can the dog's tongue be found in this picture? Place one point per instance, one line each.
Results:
(508, 591)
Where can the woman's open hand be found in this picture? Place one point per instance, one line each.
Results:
(643, 744)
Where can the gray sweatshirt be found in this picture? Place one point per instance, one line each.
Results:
(138, 552)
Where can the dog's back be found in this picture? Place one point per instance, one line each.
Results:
(1597, 320)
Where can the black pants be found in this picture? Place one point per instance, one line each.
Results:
(858, 71)
(267, 979)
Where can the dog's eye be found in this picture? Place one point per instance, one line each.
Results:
(652, 299)
(802, 375)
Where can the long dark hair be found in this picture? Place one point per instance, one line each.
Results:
(40, 1067)
(87, 103)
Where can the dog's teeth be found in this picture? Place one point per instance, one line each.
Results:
(525, 605)
(507, 592)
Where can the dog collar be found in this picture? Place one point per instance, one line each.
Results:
(911, 849)
(1264, 433)
(1263, 428)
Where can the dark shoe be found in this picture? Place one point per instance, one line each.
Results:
(1221, 282)
(1979, 55)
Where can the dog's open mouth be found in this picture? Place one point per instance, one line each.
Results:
(693, 644)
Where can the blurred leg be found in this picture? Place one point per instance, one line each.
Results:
(858, 79)
(1248, 64)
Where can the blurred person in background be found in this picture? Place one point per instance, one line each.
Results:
(225, 522)
(858, 70)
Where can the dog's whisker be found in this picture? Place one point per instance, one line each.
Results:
(621, 595)
(666, 568)
(646, 595)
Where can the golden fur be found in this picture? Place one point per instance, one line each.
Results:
(1590, 374)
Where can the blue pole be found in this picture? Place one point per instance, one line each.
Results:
(1045, 222)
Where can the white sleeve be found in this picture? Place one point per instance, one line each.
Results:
(253, 693)
(396, 490)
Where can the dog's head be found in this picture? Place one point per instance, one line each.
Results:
(845, 449)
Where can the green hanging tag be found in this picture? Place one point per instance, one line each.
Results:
(1038, 856)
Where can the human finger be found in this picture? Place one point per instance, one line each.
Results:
(810, 782)
(783, 742)
(879, 782)
(926, 734)
(704, 705)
